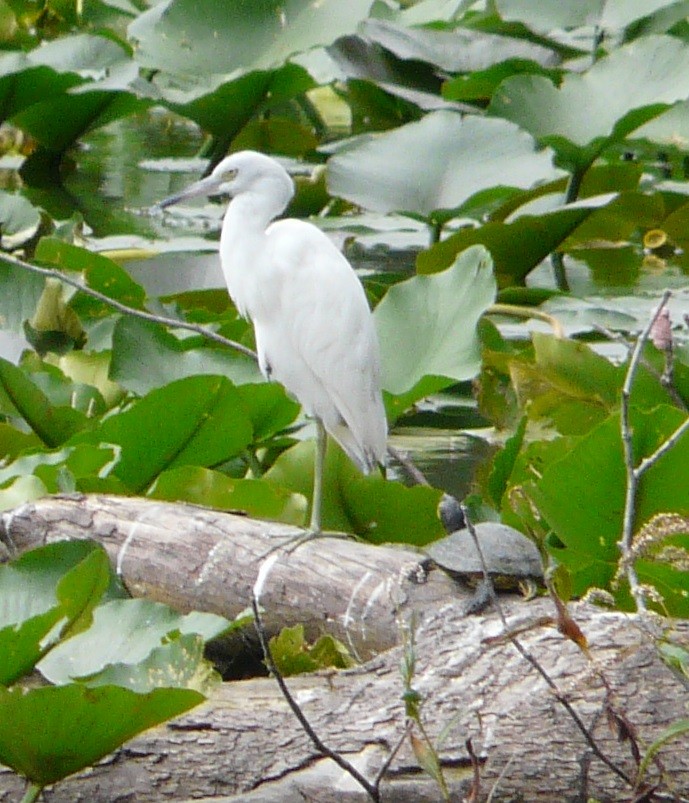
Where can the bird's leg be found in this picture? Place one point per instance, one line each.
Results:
(318, 469)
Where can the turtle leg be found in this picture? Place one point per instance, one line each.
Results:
(481, 598)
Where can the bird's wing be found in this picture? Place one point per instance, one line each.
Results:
(316, 336)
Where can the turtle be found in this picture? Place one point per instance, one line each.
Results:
(512, 560)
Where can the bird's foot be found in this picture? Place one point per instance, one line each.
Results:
(292, 542)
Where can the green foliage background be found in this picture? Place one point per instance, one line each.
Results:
(518, 127)
(511, 146)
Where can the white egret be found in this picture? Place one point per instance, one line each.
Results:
(314, 329)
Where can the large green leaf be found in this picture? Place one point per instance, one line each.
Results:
(224, 107)
(147, 356)
(257, 498)
(47, 734)
(177, 664)
(195, 421)
(454, 158)
(58, 583)
(58, 122)
(19, 220)
(619, 93)
(20, 291)
(517, 247)
(52, 424)
(124, 631)
(269, 408)
(377, 510)
(458, 50)
(427, 325)
(593, 473)
(101, 274)
(607, 15)
(192, 37)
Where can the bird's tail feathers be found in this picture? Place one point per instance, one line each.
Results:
(363, 456)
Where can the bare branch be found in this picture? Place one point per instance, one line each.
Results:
(372, 789)
(631, 472)
(125, 310)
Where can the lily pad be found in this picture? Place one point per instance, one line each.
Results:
(223, 36)
(376, 172)
(47, 734)
(620, 93)
(427, 325)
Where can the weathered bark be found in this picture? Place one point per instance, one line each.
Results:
(193, 558)
(245, 744)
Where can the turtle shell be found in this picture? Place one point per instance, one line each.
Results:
(507, 553)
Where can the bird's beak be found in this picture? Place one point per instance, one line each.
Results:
(206, 186)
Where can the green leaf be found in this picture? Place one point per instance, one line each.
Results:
(504, 463)
(193, 36)
(82, 588)
(376, 171)
(20, 291)
(179, 664)
(79, 461)
(19, 220)
(123, 632)
(147, 356)
(589, 533)
(195, 421)
(377, 510)
(47, 734)
(21, 490)
(427, 758)
(22, 645)
(257, 498)
(427, 325)
(59, 583)
(293, 655)
(516, 247)
(610, 15)
(619, 92)
(53, 425)
(677, 729)
(269, 408)
(223, 108)
(101, 274)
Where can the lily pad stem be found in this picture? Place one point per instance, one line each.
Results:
(527, 312)
(32, 793)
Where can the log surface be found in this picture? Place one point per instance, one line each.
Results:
(244, 744)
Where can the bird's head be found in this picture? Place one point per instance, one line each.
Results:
(242, 172)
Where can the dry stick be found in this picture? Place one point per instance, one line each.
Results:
(372, 789)
(634, 473)
(146, 316)
(537, 666)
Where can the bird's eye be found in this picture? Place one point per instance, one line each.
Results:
(228, 175)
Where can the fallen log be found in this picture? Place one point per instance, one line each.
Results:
(244, 744)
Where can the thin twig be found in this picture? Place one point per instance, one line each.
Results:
(405, 461)
(559, 696)
(632, 473)
(395, 750)
(664, 447)
(371, 788)
(617, 337)
(123, 308)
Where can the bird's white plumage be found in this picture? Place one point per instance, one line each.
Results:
(314, 330)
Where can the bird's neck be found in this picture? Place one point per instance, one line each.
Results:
(242, 239)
